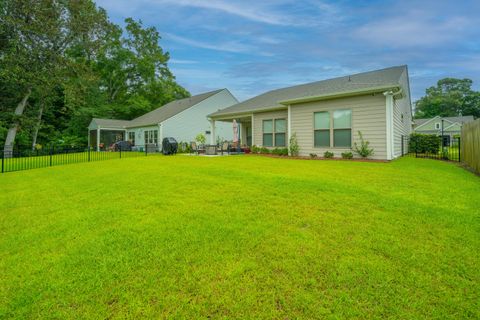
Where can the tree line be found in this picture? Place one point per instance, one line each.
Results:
(449, 98)
(64, 62)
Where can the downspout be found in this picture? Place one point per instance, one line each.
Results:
(289, 127)
(389, 95)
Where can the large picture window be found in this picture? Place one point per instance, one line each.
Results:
(280, 132)
(336, 126)
(342, 128)
(268, 133)
(322, 129)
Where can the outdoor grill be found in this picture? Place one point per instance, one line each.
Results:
(169, 146)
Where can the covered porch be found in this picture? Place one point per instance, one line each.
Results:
(245, 129)
(103, 133)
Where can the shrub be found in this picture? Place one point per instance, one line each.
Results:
(184, 147)
(280, 151)
(293, 146)
(200, 138)
(347, 155)
(264, 150)
(424, 143)
(313, 155)
(328, 154)
(363, 150)
(255, 149)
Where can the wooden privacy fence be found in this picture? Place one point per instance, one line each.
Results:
(470, 152)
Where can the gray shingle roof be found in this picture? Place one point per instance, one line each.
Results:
(158, 115)
(170, 109)
(356, 82)
(461, 120)
(110, 123)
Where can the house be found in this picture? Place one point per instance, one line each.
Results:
(452, 126)
(327, 115)
(181, 119)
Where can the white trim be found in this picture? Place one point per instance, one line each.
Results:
(453, 125)
(212, 131)
(160, 137)
(389, 123)
(289, 127)
(253, 130)
(430, 120)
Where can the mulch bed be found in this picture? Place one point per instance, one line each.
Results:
(316, 158)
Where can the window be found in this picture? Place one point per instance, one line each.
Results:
(437, 125)
(341, 131)
(131, 138)
(322, 129)
(268, 133)
(342, 128)
(151, 136)
(280, 130)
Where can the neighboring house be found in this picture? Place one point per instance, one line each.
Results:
(181, 119)
(328, 114)
(451, 125)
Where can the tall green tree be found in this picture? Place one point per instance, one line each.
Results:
(64, 62)
(450, 97)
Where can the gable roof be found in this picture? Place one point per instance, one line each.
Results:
(158, 115)
(170, 109)
(461, 120)
(356, 83)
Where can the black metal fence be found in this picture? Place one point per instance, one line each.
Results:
(439, 148)
(24, 158)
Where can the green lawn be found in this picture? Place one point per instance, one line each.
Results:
(240, 237)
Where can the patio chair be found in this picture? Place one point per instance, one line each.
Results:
(225, 147)
(193, 147)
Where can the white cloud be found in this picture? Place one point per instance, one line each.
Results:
(230, 46)
(414, 29)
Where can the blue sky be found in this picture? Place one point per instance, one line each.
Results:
(253, 46)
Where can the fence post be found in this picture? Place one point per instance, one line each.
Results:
(3, 160)
(146, 150)
(402, 144)
(51, 153)
(88, 153)
(459, 154)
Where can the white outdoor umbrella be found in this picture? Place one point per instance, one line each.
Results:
(235, 131)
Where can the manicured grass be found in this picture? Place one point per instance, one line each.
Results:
(240, 237)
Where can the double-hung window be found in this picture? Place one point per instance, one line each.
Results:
(342, 128)
(333, 129)
(280, 132)
(268, 133)
(321, 129)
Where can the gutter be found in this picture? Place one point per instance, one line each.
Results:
(339, 94)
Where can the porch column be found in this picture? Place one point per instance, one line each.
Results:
(212, 132)
(98, 139)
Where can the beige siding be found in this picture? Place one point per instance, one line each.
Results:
(401, 127)
(368, 116)
(258, 122)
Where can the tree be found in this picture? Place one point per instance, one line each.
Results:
(450, 97)
(64, 62)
